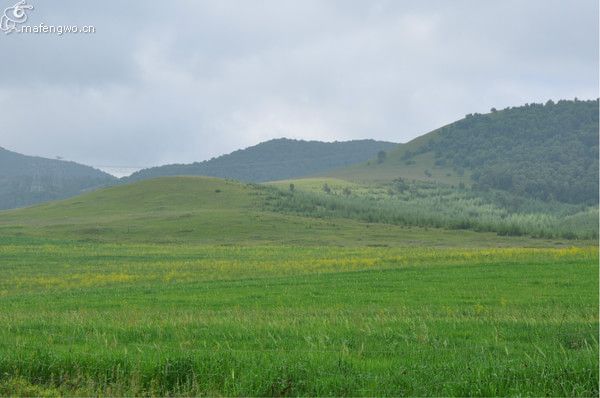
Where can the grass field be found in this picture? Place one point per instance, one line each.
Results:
(189, 286)
(129, 319)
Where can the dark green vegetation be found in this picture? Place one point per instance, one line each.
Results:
(133, 319)
(530, 170)
(542, 151)
(275, 160)
(26, 180)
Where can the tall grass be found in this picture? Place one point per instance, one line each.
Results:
(293, 321)
(430, 205)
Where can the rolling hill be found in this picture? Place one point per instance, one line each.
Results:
(27, 180)
(204, 210)
(542, 151)
(274, 160)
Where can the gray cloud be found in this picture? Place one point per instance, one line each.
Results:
(186, 80)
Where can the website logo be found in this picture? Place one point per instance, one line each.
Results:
(13, 20)
(13, 16)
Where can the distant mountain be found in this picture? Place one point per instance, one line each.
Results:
(544, 151)
(27, 180)
(274, 160)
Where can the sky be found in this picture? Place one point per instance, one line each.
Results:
(184, 81)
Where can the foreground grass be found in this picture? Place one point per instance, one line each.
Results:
(146, 319)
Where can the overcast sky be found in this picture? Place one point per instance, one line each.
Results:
(182, 81)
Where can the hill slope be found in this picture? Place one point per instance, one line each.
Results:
(202, 210)
(26, 180)
(274, 160)
(544, 151)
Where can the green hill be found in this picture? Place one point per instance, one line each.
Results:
(26, 180)
(203, 210)
(543, 151)
(274, 160)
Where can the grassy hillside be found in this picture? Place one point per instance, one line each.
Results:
(26, 180)
(275, 160)
(213, 211)
(542, 151)
(420, 167)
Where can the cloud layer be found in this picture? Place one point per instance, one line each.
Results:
(185, 80)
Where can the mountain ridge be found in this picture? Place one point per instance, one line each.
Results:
(28, 180)
(276, 159)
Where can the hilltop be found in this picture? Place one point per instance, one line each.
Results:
(543, 151)
(274, 160)
(27, 180)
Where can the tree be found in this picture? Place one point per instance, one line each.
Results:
(400, 184)
(326, 188)
(347, 191)
(381, 155)
(292, 187)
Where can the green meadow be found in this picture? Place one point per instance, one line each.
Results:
(194, 286)
(109, 319)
